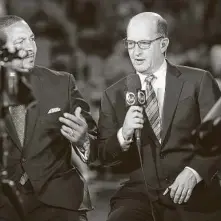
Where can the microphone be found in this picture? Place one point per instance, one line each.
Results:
(135, 97)
(9, 52)
(9, 88)
(9, 78)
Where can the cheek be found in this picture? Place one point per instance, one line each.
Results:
(130, 52)
(34, 47)
(150, 54)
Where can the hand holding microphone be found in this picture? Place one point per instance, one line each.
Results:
(10, 55)
(133, 120)
(135, 99)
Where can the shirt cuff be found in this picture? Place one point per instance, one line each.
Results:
(198, 177)
(122, 141)
(84, 150)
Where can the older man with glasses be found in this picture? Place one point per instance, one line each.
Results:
(171, 182)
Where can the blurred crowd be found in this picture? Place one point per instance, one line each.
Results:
(84, 37)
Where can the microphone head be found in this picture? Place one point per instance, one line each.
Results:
(133, 83)
(134, 95)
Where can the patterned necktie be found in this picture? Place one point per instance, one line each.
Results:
(152, 107)
(18, 114)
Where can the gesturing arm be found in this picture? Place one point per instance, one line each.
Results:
(115, 141)
(78, 126)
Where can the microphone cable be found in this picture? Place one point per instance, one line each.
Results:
(138, 143)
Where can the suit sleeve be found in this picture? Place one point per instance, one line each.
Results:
(109, 150)
(76, 100)
(208, 94)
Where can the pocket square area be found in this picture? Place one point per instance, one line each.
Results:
(53, 110)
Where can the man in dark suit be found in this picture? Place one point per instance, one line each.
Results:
(174, 183)
(49, 121)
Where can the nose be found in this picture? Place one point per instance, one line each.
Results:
(137, 50)
(28, 44)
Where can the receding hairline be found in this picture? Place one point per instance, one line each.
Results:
(158, 20)
(8, 20)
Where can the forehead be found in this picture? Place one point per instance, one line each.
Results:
(141, 30)
(17, 30)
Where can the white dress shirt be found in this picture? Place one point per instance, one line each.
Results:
(159, 84)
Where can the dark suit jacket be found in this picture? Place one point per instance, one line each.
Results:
(46, 154)
(189, 95)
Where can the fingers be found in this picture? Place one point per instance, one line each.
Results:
(73, 124)
(74, 128)
(179, 193)
(183, 196)
(10, 47)
(138, 121)
(189, 193)
(133, 120)
(78, 112)
(173, 189)
(175, 193)
(22, 54)
(136, 109)
(71, 132)
(71, 120)
(71, 138)
(166, 191)
(137, 115)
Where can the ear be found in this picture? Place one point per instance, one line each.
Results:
(164, 45)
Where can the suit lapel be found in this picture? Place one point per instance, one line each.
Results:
(120, 99)
(173, 89)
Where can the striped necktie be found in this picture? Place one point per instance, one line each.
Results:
(152, 107)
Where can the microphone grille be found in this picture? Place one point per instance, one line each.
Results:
(133, 83)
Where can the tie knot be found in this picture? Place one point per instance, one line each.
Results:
(149, 78)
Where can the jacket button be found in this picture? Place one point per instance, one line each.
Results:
(23, 160)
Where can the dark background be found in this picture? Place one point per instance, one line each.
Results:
(84, 37)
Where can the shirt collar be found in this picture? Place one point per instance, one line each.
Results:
(160, 73)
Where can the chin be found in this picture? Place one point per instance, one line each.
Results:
(141, 70)
(28, 67)
(24, 69)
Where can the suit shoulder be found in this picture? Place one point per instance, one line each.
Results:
(195, 70)
(46, 72)
(193, 74)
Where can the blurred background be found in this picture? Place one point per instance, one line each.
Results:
(84, 37)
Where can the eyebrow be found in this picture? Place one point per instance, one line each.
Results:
(22, 38)
(18, 39)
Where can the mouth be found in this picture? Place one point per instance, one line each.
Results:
(29, 54)
(30, 57)
(139, 61)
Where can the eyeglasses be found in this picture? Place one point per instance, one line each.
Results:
(143, 44)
